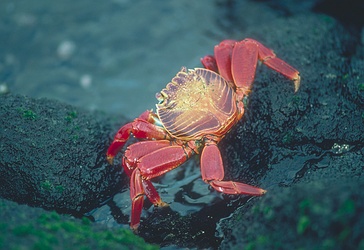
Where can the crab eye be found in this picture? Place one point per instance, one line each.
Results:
(160, 97)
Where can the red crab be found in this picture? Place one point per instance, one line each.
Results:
(195, 111)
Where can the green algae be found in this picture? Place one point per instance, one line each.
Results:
(49, 230)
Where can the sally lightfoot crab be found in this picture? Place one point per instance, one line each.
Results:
(195, 111)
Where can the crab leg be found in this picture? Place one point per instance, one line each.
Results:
(137, 198)
(237, 61)
(223, 53)
(212, 171)
(244, 61)
(222, 63)
(149, 166)
(138, 188)
(153, 165)
(139, 149)
(142, 127)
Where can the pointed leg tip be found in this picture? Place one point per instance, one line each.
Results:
(162, 204)
(110, 159)
(297, 83)
(262, 191)
(134, 228)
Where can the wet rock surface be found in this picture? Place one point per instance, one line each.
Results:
(306, 148)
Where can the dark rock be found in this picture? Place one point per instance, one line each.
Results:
(282, 131)
(319, 215)
(53, 155)
(308, 138)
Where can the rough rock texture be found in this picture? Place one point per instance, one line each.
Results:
(52, 155)
(312, 139)
(281, 132)
(321, 215)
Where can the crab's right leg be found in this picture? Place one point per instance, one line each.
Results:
(143, 127)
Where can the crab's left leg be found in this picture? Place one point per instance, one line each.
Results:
(147, 164)
(139, 187)
(139, 149)
(212, 171)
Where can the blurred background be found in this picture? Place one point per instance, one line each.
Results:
(107, 55)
